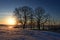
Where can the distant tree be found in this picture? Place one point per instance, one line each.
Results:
(40, 16)
(49, 20)
(53, 21)
(45, 19)
(31, 17)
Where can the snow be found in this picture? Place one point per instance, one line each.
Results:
(20, 34)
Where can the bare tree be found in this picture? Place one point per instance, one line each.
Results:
(31, 17)
(24, 13)
(16, 14)
(45, 19)
(40, 16)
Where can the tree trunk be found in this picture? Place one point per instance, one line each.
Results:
(43, 26)
(31, 21)
(25, 20)
(38, 24)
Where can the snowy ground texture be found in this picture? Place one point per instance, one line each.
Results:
(20, 34)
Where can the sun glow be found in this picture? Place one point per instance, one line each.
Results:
(10, 21)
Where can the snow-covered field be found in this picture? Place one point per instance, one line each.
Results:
(20, 34)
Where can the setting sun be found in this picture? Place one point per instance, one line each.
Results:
(10, 21)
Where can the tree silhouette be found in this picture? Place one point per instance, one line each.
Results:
(46, 17)
(24, 12)
(31, 17)
(16, 14)
(40, 16)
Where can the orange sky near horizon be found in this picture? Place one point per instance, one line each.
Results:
(8, 20)
(13, 20)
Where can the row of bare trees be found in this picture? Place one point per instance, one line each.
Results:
(27, 14)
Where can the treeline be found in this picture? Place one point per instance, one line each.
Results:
(29, 16)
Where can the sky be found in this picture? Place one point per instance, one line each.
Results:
(51, 6)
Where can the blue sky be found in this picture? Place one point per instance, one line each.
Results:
(51, 6)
